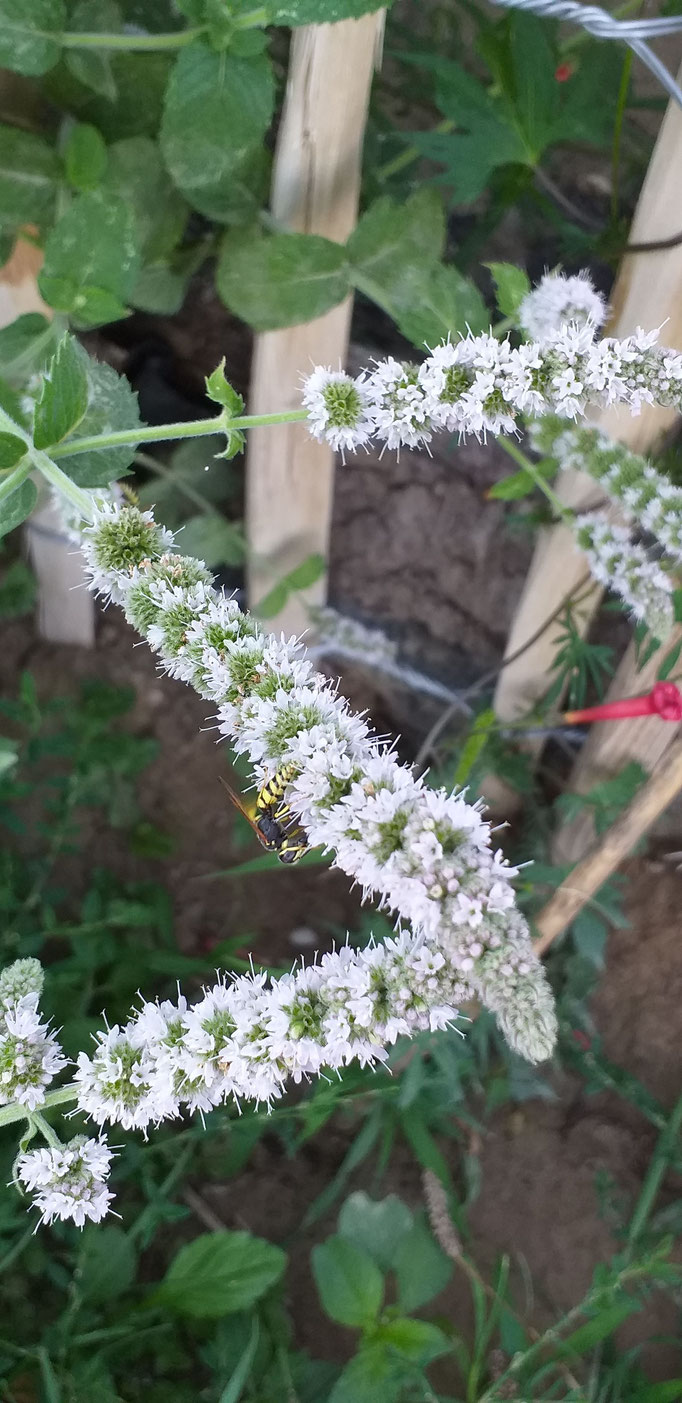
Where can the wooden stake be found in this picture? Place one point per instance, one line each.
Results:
(590, 874)
(66, 612)
(648, 293)
(316, 185)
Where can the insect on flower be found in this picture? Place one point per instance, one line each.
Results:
(287, 839)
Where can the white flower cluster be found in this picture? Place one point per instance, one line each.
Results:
(481, 385)
(68, 1181)
(245, 1038)
(645, 495)
(426, 853)
(625, 567)
(558, 301)
(30, 1055)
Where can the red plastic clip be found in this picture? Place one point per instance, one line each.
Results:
(664, 700)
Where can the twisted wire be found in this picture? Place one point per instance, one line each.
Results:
(602, 25)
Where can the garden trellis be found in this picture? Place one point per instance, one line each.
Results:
(648, 292)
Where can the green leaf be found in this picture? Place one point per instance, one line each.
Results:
(373, 1376)
(599, 70)
(217, 110)
(281, 279)
(64, 395)
(670, 662)
(219, 389)
(137, 176)
(25, 345)
(159, 289)
(15, 508)
(12, 449)
(213, 539)
(107, 1265)
(393, 237)
(417, 1340)
(376, 1227)
(29, 34)
(301, 577)
(349, 1283)
(18, 590)
(512, 284)
(422, 1268)
(594, 1331)
(91, 260)
(220, 1273)
(85, 157)
(112, 405)
(236, 1384)
(445, 303)
(520, 484)
(29, 172)
(91, 67)
(590, 933)
(295, 12)
(536, 91)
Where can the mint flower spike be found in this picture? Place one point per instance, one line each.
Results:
(425, 853)
(338, 408)
(558, 301)
(626, 567)
(643, 494)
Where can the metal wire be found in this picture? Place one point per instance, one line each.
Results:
(634, 32)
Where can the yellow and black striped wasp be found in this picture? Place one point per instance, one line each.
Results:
(272, 821)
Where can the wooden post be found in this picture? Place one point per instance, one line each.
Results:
(290, 477)
(589, 875)
(66, 612)
(647, 293)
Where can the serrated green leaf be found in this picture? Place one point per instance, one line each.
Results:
(25, 346)
(349, 1283)
(29, 34)
(445, 303)
(219, 389)
(216, 112)
(94, 67)
(220, 1273)
(85, 157)
(12, 449)
(29, 172)
(64, 395)
(376, 1227)
(140, 81)
(91, 260)
(107, 1264)
(536, 92)
(137, 176)
(281, 279)
(112, 405)
(295, 12)
(393, 236)
(213, 539)
(512, 284)
(15, 508)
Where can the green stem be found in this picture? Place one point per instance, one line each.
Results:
(14, 479)
(655, 1173)
(618, 132)
(49, 1135)
(192, 428)
(411, 153)
(78, 498)
(15, 1111)
(132, 43)
(10, 1257)
(524, 462)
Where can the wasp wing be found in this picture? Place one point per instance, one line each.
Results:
(239, 804)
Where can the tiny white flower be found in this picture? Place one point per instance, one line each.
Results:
(30, 1055)
(558, 300)
(339, 408)
(69, 1183)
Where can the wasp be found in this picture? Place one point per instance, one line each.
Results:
(275, 828)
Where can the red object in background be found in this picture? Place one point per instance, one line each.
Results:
(664, 700)
(563, 72)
